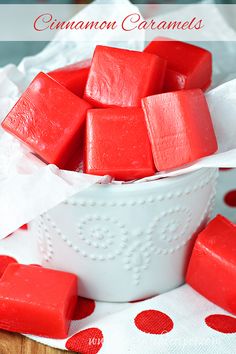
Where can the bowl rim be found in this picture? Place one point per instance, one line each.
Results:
(160, 183)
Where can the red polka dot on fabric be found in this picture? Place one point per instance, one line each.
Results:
(230, 198)
(4, 261)
(85, 307)
(221, 323)
(153, 322)
(88, 341)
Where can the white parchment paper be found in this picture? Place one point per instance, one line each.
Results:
(28, 187)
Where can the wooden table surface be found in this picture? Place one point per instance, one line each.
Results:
(16, 344)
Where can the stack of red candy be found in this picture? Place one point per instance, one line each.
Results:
(126, 113)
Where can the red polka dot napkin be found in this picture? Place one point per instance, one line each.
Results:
(180, 321)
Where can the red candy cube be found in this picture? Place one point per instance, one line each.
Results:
(212, 267)
(73, 77)
(117, 144)
(188, 66)
(4, 262)
(180, 128)
(49, 119)
(37, 300)
(120, 77)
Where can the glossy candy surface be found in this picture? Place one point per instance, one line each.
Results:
(188, 66)
(49, 119)
(212, 267)
(73, 77)
(180, 128)
(37, 300)
(117, 144)
(120, 77)
(4, 262)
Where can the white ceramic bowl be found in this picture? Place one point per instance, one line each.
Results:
(128, 242)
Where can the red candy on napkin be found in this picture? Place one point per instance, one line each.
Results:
(73, 77)
(180, 128)
(117, 144)
(120, 77)
(37, 300)
(212, 267)
(49, 119)
(188, 66)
